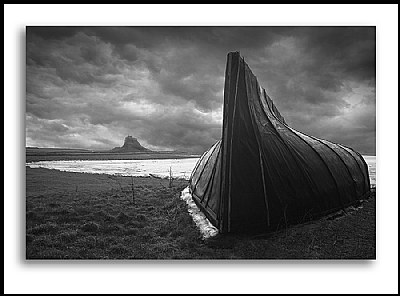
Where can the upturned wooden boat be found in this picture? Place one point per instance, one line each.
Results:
(263, 173)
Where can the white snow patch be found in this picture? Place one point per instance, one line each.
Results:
(206, 228)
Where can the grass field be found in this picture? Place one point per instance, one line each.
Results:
(88, 216)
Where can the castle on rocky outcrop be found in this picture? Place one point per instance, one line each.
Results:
(131, 144)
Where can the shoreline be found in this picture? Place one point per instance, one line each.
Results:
(36, 157)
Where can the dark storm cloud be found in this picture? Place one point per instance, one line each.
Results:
(91, 86)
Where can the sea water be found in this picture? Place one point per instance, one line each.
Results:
(180, 168)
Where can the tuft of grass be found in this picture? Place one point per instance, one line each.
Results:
(68, 236)
(100, 216)
(131, 231)
(123, 218)
(136, 224)
(119, 251)
(176, 233)
(90, 227)
(48, 228)
(140, 218)
(111, 229)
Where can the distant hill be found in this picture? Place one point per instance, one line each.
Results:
(131, 144)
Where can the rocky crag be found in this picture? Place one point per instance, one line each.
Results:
(131, 144)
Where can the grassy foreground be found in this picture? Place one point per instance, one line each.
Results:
(88, 216)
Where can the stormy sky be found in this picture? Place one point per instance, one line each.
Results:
(89, 87)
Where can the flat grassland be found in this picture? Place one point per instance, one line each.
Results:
(89, 216)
